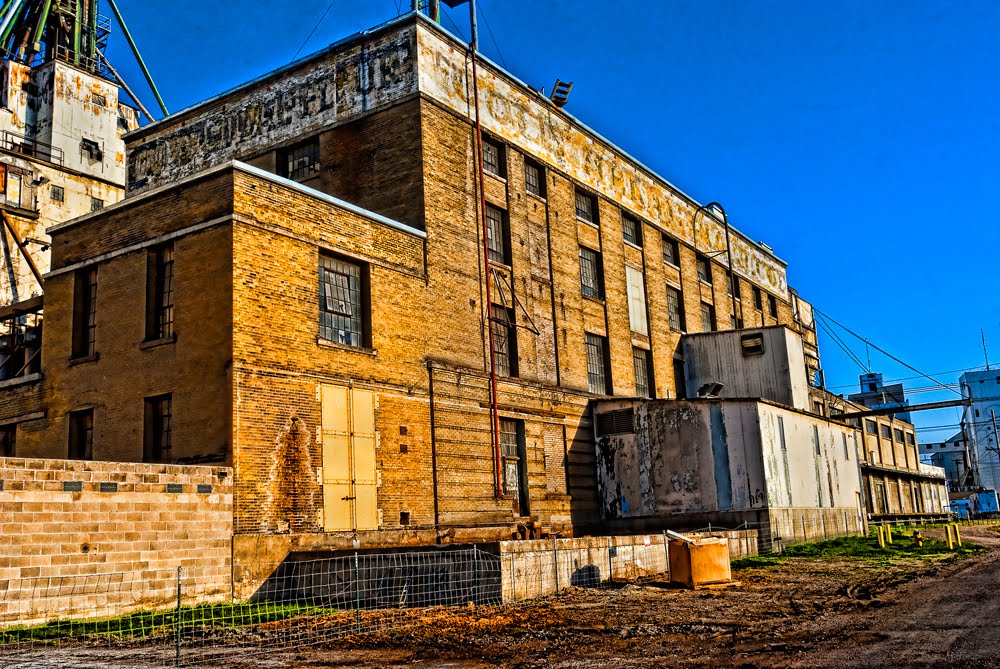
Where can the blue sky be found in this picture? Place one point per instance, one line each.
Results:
(858, 139)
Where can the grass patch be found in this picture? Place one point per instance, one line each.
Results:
(148, 624)
(863, 548)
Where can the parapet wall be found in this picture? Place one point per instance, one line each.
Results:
(95, 539)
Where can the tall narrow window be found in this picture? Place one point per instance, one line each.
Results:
(85, 313)
(160, 293)
(342, 302)
(671, 252)
(515, 471)
(631, 230)
(8, 441)
(591, 274)
(704, 267)
(586, 207)
(534, 178)
(493, 158)
(300, 162)
(707, 317)
(680, 383)
(642, 363)
(598, 365)
(81, 435)
(636, 290)
(772, 306)
(504, 341)
(757, 302)
(157, 431)
(497, 235)
(675, 309)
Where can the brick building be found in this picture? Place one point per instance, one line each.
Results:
(294, 286)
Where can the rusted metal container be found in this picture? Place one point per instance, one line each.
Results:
(700, 562)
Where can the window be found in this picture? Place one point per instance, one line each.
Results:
(818, 408)
(757, 302)
(642, 363)
(707, 317)
(619, 421)
(99, 99)
(504, 341)
(886, 431)
(8, 441)
(498, 237)
(636, 289)
(534, 178)
(96, 204)
(343, 298)
(704, 267)
(85, 313)
(157, 432)
(591, 273)
(631, 230)
(818, 450)
(897, 435)
(671, 252)
(57, 193)
(847, 453)
(598, 365)
(160, 293)
(81, 435)
(680, 384)
(586, 208)
(91, 148)
(772, 306)
(675, 309)
(911, 440)
(508, 450)
(301, 161)
(870, 426)
(781, 433)
(493, 158)
(752, 344)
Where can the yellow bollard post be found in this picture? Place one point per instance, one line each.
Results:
(918, 539)
(888, 534)
(958, 538)
(881, 537)
(947, 536)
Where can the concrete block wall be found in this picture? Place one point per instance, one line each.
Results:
(535, 568)
(96, 539)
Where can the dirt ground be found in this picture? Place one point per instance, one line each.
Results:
(803, 613)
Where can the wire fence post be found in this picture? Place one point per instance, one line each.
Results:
(177, 622)
(357, 590)
(666, 554)
(475, 576)
(555, 563)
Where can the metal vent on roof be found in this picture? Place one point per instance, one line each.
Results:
(620, 421)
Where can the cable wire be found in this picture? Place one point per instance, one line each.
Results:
(315, 28)
(482, 10)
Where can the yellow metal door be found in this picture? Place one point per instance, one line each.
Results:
(350, 478)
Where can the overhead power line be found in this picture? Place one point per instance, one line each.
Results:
(883, 351)
(315, 28)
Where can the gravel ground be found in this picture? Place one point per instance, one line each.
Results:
(803, 613)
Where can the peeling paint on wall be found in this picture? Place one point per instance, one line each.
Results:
(507, 111)
(338, 88)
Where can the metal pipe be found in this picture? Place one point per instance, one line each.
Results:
(77, 34)
(7, 25)
(487, 275)
(138, 57)
(92, 32)
(121, 82)
(43, 18)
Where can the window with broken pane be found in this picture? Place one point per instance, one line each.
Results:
(341, 293)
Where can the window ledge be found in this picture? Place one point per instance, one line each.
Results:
(670, 264)
(84, 359)
(153, 343)
(600, 300)
(705, 283)
(495, 176)
(329, 343)
(21, 380)
(540, 198)
(590, 223)
(632, 244)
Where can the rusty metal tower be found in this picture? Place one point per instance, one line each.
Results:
(33, 32)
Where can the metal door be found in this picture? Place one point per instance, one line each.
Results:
(350, 478)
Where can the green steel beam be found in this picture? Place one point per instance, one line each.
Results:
(77, 33)
(43, 18)
(92, 31)
(135, 51)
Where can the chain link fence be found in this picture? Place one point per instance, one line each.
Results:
(131, 619)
